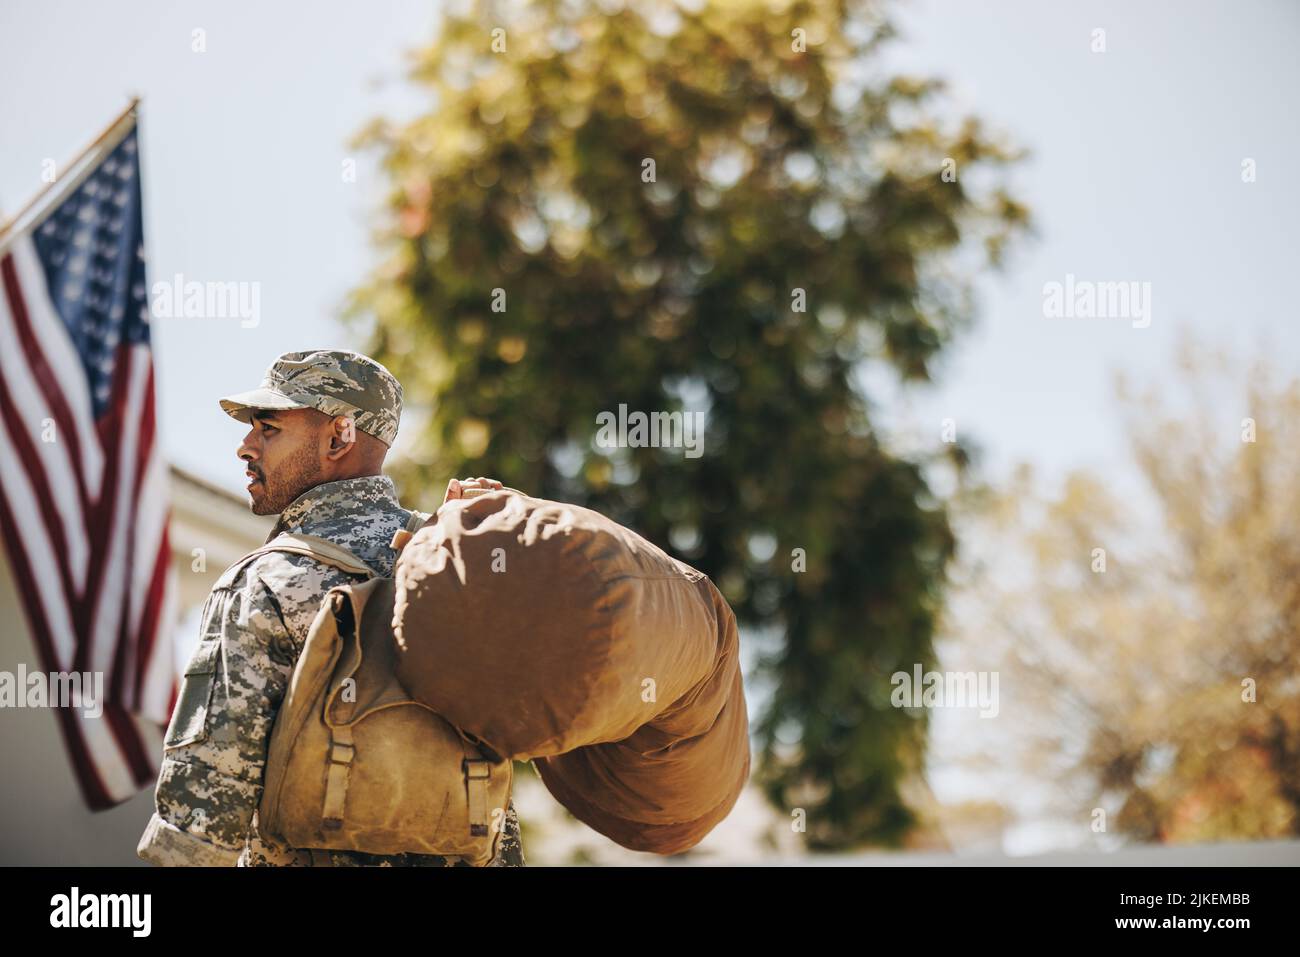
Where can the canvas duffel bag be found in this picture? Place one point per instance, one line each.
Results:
(667, 785)
(548, 631)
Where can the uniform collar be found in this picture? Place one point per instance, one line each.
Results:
(330, 500)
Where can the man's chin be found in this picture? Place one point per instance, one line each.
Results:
(259, 502)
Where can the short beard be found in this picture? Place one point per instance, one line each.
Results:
(295, 476)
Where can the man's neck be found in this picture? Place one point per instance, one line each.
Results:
(327, 500)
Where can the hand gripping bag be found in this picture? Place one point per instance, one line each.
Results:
(547, 631)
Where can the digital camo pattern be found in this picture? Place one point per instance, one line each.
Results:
(255, 625)
(332, 381)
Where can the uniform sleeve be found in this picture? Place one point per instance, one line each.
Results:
(214, 754)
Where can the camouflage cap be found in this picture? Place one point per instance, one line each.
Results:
(333, 381)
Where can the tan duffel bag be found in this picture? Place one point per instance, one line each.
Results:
(355, 763)
(550, 632)
(666, 786)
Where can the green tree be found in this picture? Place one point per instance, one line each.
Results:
(633, 206)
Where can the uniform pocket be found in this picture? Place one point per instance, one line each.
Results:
(190, 719)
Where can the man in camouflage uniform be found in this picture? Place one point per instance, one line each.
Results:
(322, 423)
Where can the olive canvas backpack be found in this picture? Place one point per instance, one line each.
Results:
(354, 762)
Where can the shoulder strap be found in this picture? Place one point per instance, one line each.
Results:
(403, 535)
(321, 549)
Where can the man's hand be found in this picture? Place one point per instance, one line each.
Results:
(470, 487)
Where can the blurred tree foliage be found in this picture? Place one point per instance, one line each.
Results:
(775, 169)
(1163, 689)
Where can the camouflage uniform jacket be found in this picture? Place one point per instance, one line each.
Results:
(255, 625)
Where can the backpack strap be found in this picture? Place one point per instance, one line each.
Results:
(478, 771)
(403, 535)
(342, 750)
(319, 548)
(341, 746)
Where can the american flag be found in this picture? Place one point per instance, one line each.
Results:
(83, 486)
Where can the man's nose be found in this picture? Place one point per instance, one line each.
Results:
(246, 452)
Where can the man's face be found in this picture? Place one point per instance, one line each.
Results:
(283, 450)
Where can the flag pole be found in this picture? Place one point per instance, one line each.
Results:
(94, 144)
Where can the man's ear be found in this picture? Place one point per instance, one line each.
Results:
(343, 437)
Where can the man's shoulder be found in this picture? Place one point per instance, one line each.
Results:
(286, 575)
(286, 572)
(358, 516)
(281, 586)
(366, 533)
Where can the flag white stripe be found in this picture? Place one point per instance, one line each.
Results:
(111, 600)
(61, 354)
(150, 518)
(40, 553)
(54, 456)
(106, 754)
(159, 671)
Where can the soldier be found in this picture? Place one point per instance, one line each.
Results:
(322, 423)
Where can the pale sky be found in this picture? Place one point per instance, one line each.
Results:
(1135, 175)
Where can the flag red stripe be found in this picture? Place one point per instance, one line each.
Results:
(124, 683)
(148, 429)
(92, 785)
(104, 524)
(103, 516)
(35, 469)
(128, 739)
(156, 589)
(50, 519)
(45, 376)
(149, 623)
